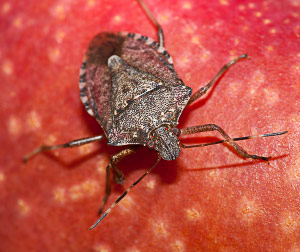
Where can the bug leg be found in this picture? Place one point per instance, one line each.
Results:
(160, 33)
(115, 159)
(213, 127)
(118, 175)
(234, 139)
(124, 193)
(70, 144)
(204, 89)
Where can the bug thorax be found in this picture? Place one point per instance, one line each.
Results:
(164, 139)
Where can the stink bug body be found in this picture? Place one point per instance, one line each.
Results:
(129, 84)
(124, 79)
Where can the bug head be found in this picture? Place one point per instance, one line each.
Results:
(164, 139)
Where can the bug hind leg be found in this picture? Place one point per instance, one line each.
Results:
(118, 175)
(149, 14)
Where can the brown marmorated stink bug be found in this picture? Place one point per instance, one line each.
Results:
(129, 84)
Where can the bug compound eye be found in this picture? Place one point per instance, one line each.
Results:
(176, 131)
(150, 144)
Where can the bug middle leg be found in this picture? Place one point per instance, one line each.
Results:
(204, 89)
(118, 175)
(213, 127)
(154, 21)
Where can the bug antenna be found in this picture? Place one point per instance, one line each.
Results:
(234, 139)
(124, 194)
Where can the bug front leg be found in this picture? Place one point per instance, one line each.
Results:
(70, 144)
(213, 127)
(204, 89)
(125, 193)
(118, 175)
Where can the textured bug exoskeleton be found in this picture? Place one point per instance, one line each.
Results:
(129, 84)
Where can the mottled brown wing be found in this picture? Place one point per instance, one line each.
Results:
(95, 80)
(145, 54)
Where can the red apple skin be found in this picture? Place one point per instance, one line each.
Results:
(209, 199)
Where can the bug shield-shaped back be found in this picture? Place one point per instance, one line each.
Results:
(142, 103)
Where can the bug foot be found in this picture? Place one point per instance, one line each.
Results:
(119, 178)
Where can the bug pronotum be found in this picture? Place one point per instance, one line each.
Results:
(129, 84)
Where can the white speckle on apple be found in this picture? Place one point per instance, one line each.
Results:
(23, 207)
(2, 177)
(151, 184)
(187, 5)
(178, 246)
(33, 120)
(53, 54)
(59, 194)
(5, 8)
(193, 214)
(7, 67)
(14, 126)
(160, 229)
